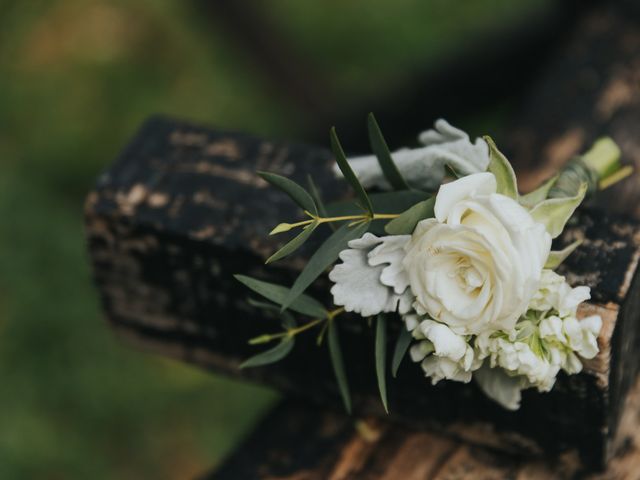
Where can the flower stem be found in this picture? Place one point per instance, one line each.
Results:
(269, 337)
(284, 227)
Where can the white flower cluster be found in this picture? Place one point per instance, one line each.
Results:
(472, 287)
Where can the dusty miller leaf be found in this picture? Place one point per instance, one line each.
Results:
(326, 255)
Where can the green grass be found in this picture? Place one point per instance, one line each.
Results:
(77, 77)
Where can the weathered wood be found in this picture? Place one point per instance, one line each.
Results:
(589, 88)
(182, 210)
(298, 442)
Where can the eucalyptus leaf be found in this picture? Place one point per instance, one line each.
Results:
(303, 304)
(315, 195)
(554, 213)
(382, 153)
(326, 255)
(400, 350)
(291, 188)
(381, 359)
(343, 164)
(451, 172)
(502, 170)
(538, 195)
(281, 350)
(406, 223)
(556, 257)
(294, 244)
(385, 202)
(337, 362)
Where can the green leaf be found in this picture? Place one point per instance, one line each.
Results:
(341, 160)
(555, 212)
(303, 304)
(502, 170)
(538, 195)
(381, 150)
(315, 195)
(400, 350)
(338, 365)
(381, 359)
(323, 258)
(386, 202)
(451, 172)
(558, 256)
(291, 188)
(406, 223)
(281, 350)
(294, 244)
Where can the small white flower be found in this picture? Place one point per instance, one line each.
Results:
(582, 335)
(423, 167)
(554, 293)
(370, 278)
(476, 266)
(448, 355)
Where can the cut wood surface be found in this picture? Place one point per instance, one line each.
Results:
(298, 442)
(183, 209)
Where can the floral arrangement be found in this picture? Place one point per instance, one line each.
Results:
(446, 245)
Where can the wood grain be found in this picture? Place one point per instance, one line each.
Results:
(182, 210)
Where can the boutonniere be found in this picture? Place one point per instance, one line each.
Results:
(447, 246)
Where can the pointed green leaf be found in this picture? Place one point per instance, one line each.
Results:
(343, 164)
(381, 359)
(406, 223)
(381, 150)
(303, 304)
(502, 169)
(294, 244)
(385, 202)
(400, 350)
(281, 350)
(326, 255)
(451, 172)
(315, 195)
(338, 365)
(291, 188)
(533, 198)
(558, 256)
(555, 212)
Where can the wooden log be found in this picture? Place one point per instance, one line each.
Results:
(298, 442)
(182, 210)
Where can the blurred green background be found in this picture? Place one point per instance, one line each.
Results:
(77, 77)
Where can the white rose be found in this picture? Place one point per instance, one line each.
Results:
(476, 266)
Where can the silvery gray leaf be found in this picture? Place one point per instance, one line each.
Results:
(423, 167)
(357, 285)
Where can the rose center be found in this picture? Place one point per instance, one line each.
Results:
(467, 276)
